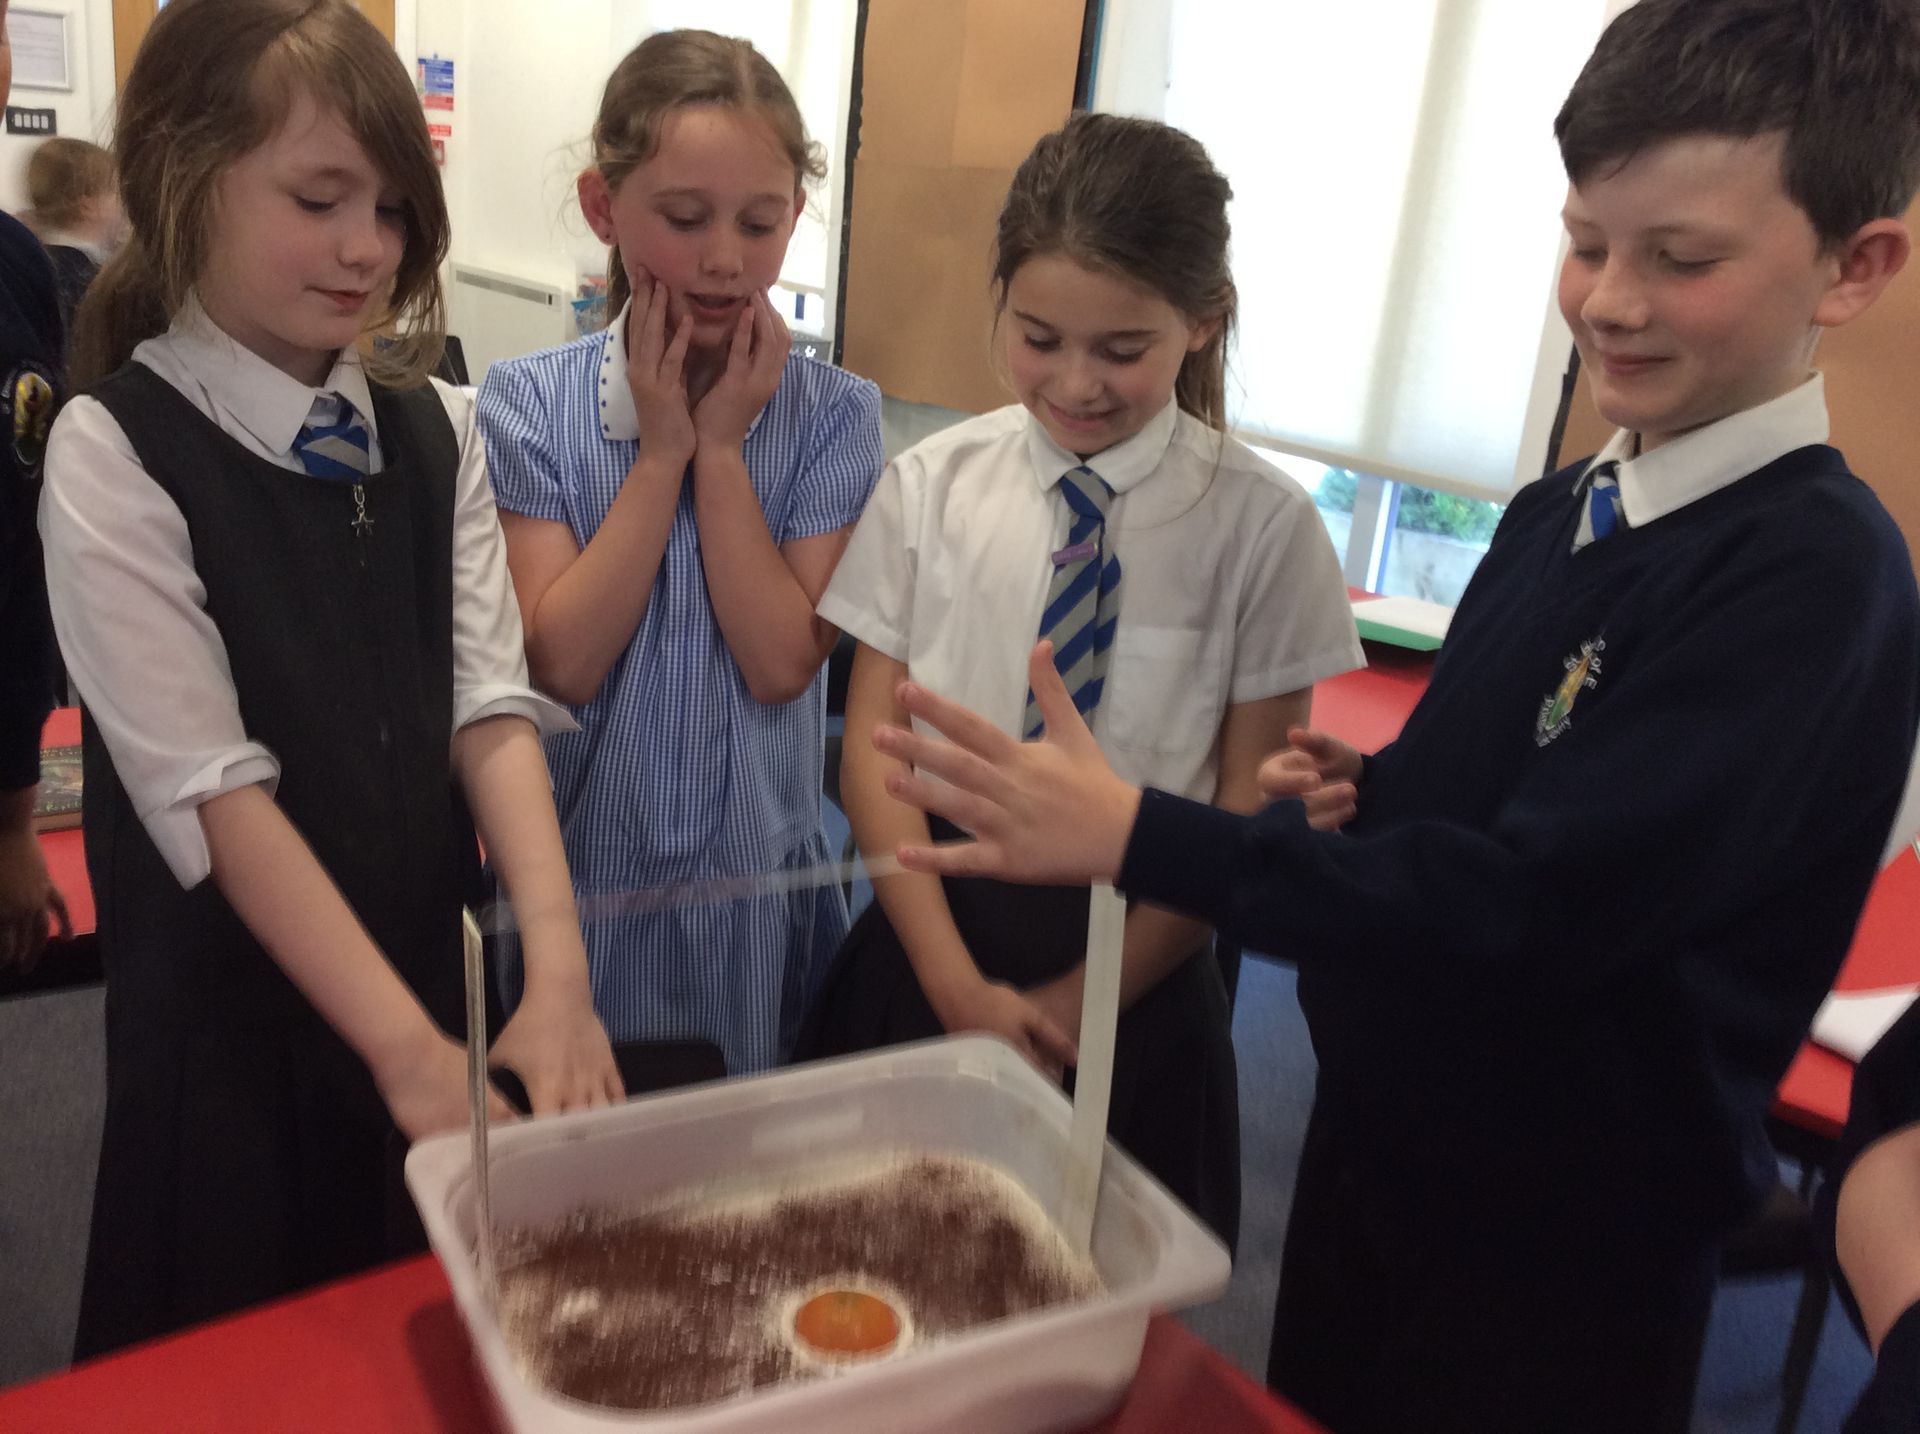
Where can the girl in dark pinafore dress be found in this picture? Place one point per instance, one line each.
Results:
(279, 583)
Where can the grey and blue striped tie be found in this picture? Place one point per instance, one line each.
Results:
(333, 450)
(1083, 600)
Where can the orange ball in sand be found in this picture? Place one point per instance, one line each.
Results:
(847, 1322)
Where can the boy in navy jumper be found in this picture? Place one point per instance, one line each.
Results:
(29, 371)
(1580, 914)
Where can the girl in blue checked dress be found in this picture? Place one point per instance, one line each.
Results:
(675, 494)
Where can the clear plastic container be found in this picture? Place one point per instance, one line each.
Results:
(973, 1096)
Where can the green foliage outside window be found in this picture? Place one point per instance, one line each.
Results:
(1336, 491)
(1468, 520)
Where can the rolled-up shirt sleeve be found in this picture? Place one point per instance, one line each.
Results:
(130, 614)
(489, 649)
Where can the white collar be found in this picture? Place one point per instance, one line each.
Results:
(618, 420)
(61, 238)
(1120, 467)
(268, 403)
(1711, 457)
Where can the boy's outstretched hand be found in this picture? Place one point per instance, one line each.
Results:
(1045, 811)
(1321, 771)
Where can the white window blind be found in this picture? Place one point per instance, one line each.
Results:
(1396, 215)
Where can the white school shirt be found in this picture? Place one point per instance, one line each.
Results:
(129, 610)
(60, 237)
(1229, 588)
(1688, 468)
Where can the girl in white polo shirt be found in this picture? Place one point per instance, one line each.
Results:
(1189, 589)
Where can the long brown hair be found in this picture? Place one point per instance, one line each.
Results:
(213, 80)
(689, 67)
(1141, 200)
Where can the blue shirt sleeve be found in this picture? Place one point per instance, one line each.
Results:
(840, 465)
(522, 459)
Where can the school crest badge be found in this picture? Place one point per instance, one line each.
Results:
(29, 398)
(1583, 673)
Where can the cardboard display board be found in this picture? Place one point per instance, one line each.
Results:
(1873, 372)
(132, 17)
(955, 93)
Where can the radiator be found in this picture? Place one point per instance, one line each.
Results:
(499, 316)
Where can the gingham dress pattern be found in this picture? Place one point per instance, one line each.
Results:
(678, 773)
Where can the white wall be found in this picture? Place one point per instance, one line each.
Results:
(527, 79)
(84, 112)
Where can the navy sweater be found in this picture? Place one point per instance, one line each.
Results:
(29, 381)
(1594, 893)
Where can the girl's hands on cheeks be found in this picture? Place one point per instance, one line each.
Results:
(1321, 771)
(557, 1046)
(756, 358)
(656, 374)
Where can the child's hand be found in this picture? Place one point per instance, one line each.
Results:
(1321, 771)
(426, 1091)
(1061, 1000)
(557, 1046)
(1045, 811)
(755, 361)
(27, 900)
(999, 1009)
(656, 376)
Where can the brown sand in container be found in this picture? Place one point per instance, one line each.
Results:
(689, 1303)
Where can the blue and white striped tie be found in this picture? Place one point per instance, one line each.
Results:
(333, 450)
(1600, 516)
(1083, 600)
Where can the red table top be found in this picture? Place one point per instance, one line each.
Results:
(66, 857)
(1368, 708)
(385, 1353)
(1886, 952)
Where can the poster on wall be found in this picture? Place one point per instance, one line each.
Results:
(38, 39)
(436, 98)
